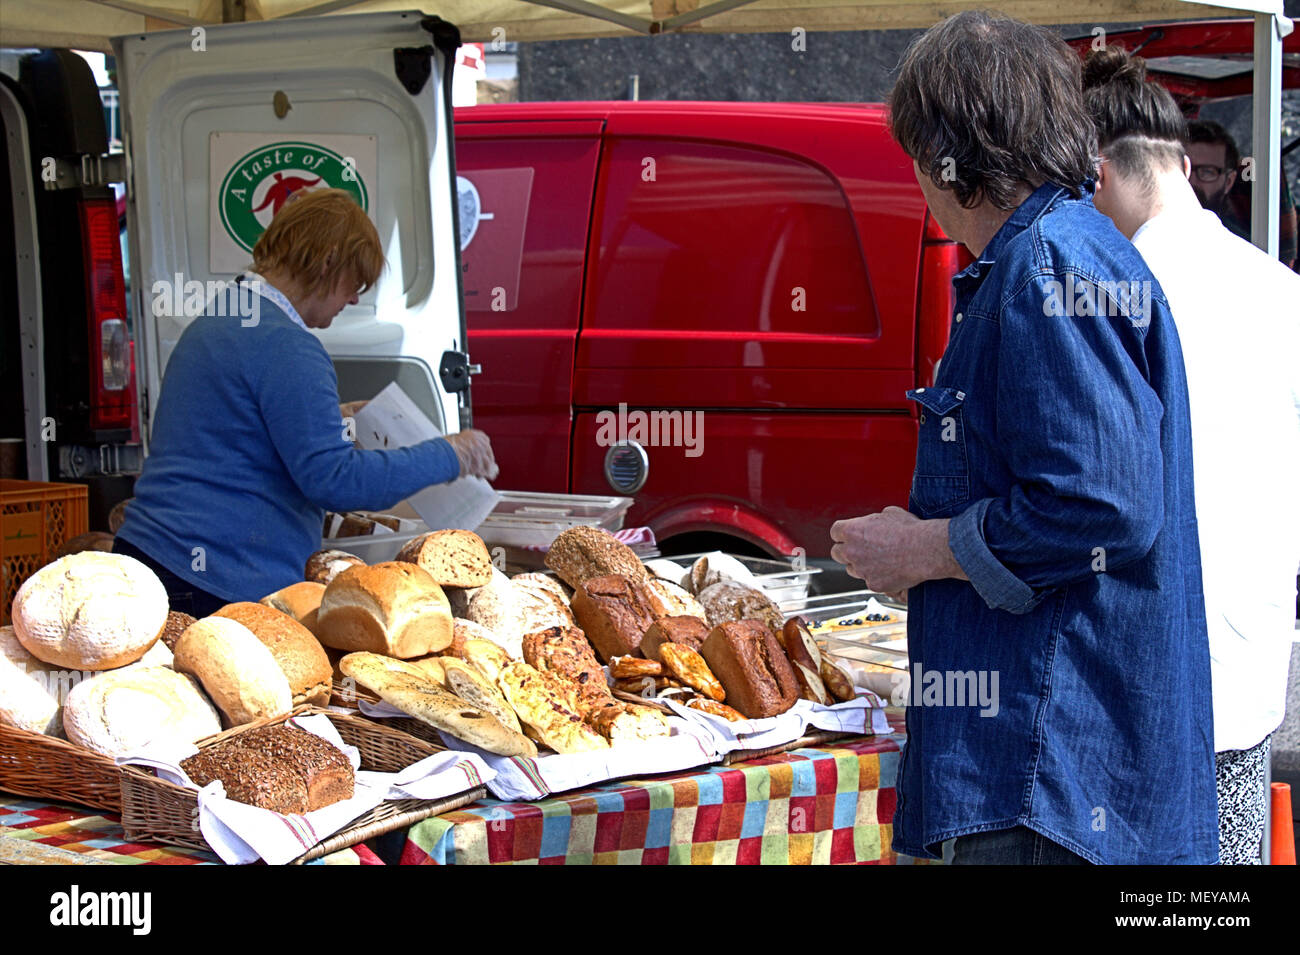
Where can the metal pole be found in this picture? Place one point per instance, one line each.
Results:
(1266, 190)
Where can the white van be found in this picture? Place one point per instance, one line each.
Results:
(220, 124)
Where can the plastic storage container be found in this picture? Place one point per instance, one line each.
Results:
(527, 519)
(36, 519)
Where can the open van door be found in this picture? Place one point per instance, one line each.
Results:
(221, 124)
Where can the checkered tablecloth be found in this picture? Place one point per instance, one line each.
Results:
(34, 832)
(828, 804)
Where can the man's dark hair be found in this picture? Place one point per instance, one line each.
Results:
(988, 105)
(1208, 131)
(1139, 126)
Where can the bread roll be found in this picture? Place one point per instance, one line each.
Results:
(299, 654)
(31, 691)
(236, 669)
(453, 558)
(136, 709)
(90, 611)
(393, 608)
(177, 623)
(300, 601)
(581, 553)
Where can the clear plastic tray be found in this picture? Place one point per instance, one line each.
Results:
(529, 519)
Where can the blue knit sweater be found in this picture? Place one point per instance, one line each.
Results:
(248, 451)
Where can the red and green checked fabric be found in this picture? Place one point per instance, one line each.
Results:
(35, 832)
(829, 804)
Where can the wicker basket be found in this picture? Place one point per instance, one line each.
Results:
(811, 738)
(54, 769)
(154, 810)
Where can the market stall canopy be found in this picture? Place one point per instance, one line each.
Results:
(88, 24)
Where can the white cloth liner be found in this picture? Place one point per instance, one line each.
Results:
(239, 833)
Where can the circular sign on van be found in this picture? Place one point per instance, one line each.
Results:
(260, 183)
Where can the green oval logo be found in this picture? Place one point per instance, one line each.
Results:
(261, 182)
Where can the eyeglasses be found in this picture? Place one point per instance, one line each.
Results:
(1208, 173)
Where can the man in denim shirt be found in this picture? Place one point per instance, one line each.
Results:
(1060, 673)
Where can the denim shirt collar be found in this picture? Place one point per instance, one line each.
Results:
(1024, 216)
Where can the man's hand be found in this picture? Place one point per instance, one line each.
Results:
(350, 409)
(894, 550)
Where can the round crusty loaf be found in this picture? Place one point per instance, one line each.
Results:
(581, 553)
(90, 611)
(511, 610)
(29, 689)
(393, 608)
(300, 656)
(300, 601)
(236, 669)
(136, 709)
(728, 601)
(452, 558)
(324, 565)
(670, 600)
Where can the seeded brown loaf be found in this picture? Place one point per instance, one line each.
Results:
(749, 662)
(453, 558)
(299, 654)
(325, 770)
(728, 600)
(581, 553)
(614, 612)
(255, 779)
(393, 608)
(174, 627)
(689, 631)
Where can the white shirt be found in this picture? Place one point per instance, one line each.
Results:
(272, 294)
(1237, 312)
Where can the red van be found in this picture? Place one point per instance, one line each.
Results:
(713, 307)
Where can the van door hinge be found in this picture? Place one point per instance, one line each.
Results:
(86, 170)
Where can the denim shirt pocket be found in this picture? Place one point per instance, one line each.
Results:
(941, 482)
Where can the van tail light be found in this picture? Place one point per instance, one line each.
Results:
(110, 345)
(941, 260)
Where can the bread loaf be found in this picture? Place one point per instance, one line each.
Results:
(510, 611)
(669, 600)
(566, 653)
(472, 687)
(31, 690)
(729, 601)
(548, 710)
(581, 553)
(409, 688)
(393, 608)
(688, 631)
(177, 623)
(753, 669)
(236, 669)
(452, 558)
(299, 654)
(252, 768)
(324, 565)
(90, 611)
(138, 709)
(614, 612)
(300, 601)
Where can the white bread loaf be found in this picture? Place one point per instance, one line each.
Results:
(30, 690)
(300, 601)
(394, 608)
(90, 611)
(236, 669)
(137, 709)
(300, 655)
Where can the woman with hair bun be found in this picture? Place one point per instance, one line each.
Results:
(1235, 311)
(248, 447)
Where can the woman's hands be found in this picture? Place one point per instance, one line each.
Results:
(474, 449)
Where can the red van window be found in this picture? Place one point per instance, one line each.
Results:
(700, 235)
